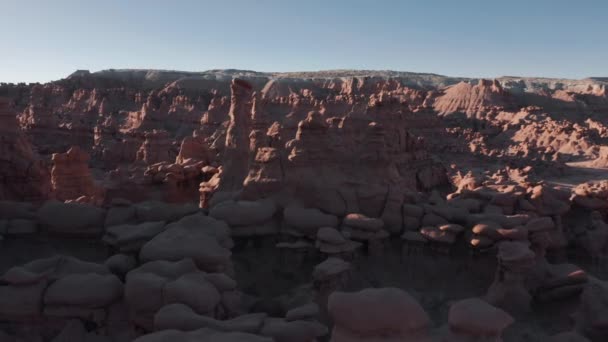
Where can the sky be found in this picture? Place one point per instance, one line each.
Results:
(45, 40)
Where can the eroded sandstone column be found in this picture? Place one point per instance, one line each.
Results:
(236, 153)
(71, 177)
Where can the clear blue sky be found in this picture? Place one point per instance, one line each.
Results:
(44, 40)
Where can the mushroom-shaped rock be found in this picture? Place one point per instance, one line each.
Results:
(477, 318)
(375, 313)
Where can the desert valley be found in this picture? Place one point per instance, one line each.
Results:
(343, 206)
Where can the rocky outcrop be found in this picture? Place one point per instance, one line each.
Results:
(157, 147)
(59, 287)
(473, 99)
(71, 177)
(236, 150)
(22, 174)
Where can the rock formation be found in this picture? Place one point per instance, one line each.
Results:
(24, 176)
(71, 177)
(299, 207)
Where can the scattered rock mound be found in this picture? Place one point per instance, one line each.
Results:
(473, 100)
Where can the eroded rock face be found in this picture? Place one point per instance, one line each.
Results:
(471, 99)
(315, 167)
(155, 148)
(23, 176)
(236, 149)
(71, 177)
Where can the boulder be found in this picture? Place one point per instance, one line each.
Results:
(120, 215)
(88, 290)
(121, 264)
(308, 220)
(376, 313)
(331, 236)
(476, 319)
(131, 237)
(71, 219)
(203, 239)
(194, 290)
(243, 213)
